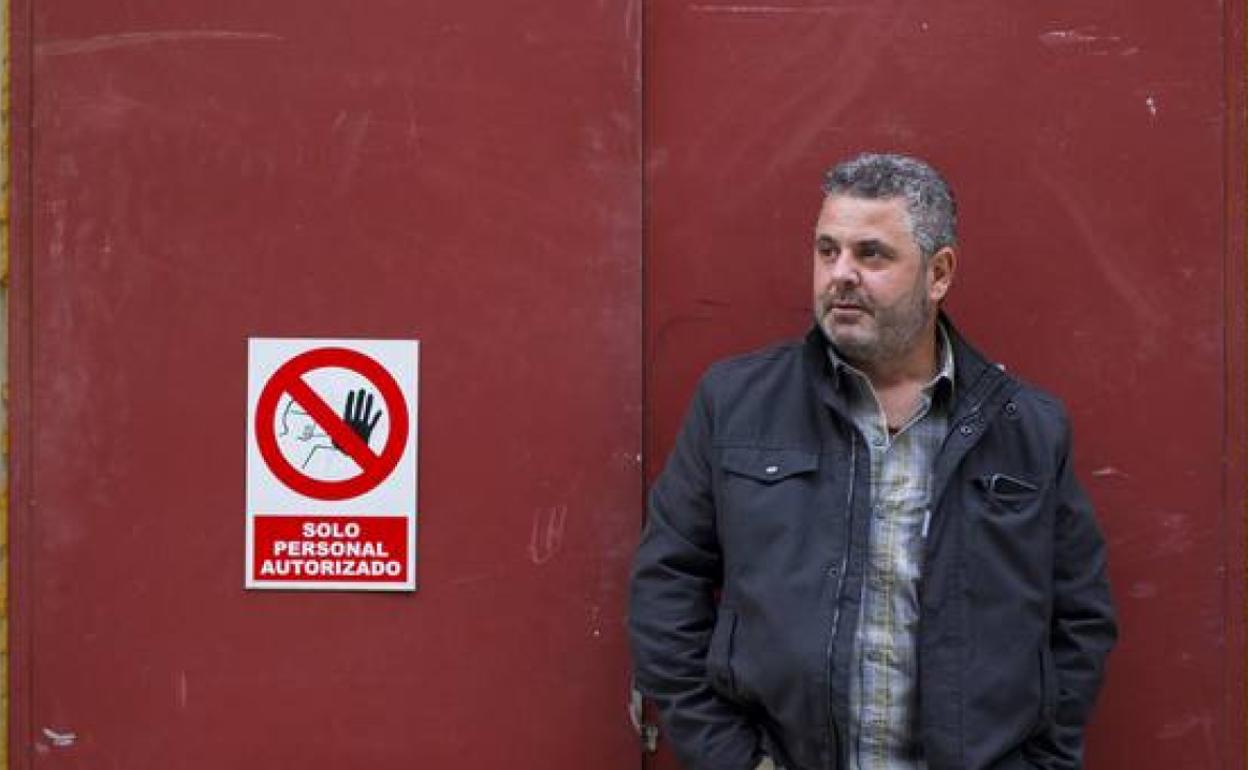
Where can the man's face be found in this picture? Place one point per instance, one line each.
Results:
(874, 293)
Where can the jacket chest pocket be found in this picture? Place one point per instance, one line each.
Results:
(758, 482)
(1012, 535)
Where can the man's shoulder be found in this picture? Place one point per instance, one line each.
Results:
(1037, 395)
(762, 397)
(1026, 398)
(758, 392)
(1035, 406)
(781, 358)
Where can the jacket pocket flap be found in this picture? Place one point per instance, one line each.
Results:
(768, 465)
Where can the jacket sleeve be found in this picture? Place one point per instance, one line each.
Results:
(677, 570)
(1083, 627)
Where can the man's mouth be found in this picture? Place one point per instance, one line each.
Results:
(846, 307)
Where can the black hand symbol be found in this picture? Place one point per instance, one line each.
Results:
(357, 415)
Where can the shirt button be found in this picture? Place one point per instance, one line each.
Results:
(966, 430)
(879, 441)
(875, 656)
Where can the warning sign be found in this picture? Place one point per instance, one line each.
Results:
(331, 464)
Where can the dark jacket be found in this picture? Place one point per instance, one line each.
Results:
(747, 582)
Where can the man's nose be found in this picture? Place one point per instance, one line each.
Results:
(843, 273)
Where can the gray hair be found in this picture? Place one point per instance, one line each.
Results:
(929, 201)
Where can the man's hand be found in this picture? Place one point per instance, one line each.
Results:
(357, 415)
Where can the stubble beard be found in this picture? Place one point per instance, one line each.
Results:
(896, 329)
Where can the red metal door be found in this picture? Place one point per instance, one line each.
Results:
(193, 176)
(189, 175)
(1098, 155)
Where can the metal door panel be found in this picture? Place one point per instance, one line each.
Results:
(1097, 154)
(466, 175)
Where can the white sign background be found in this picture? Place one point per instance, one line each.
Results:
(305, 446)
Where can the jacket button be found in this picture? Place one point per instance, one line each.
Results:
(966, 430)
(833, 571)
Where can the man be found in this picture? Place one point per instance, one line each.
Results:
(868, 550)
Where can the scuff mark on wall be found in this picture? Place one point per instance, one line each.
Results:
(632, 27)
(1182, 729)
(1088, 40)
(1059, 37)
(1109, 471)
(595, 621)
(546, 536)
(355, 129)
(768, 9)
(1151, 104)
(60, 739)
(132, 39)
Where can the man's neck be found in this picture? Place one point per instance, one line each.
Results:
(916, 367)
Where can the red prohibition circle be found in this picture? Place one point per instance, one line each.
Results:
(374, 468)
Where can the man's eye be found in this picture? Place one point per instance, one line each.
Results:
(825, 249)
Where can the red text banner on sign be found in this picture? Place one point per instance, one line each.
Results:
(358, 549)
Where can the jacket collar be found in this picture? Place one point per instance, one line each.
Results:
(975, 378)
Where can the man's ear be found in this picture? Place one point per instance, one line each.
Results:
(940, 269)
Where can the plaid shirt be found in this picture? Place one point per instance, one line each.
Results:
(882, 709)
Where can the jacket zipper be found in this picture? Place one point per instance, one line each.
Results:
(933, 505)
(972, 414)
(834, 737)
